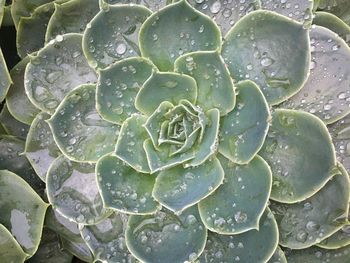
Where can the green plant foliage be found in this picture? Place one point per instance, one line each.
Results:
(175, 131)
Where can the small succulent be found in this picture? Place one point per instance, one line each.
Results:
(176, 131)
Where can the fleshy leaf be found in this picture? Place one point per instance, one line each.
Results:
(129, 146)
(270, 49)
(35, 25)
(239, 203)
(107, 239)
(2, 11)
(215, 86)
(57, 69)
(61, 225)
(113, 34)
(71, 17)
(41, 149)
(153, 5)
(69, 234)
(118, 86)
(340, 8)
(24, 8)
(11, 125)
(190, 31)
(278, 256)
(10, 250)
(339, 239)
(79, 131)
(243, 130)
(153, 123)
(22, 211)
(304, 224)
(319, 255)
(153, 238)
(299, 10)
(333, 23)
(179, 188)
(72, 190)
(16, 99)
(326, 92)
(124, 189)
(158, 159)
(5, 78)
(299, 150)
(78, 249)
(169, 86)
(340, 132)
(50, 250)
(225, 13)
(12, 159)
(208, 146)
(252, 246)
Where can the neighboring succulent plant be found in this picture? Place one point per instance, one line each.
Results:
(176, 131)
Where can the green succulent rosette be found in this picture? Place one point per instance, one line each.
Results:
(176, 131)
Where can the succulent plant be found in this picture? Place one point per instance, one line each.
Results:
(176, 131)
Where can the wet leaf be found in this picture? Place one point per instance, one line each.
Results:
(9, 249)
(270, 49)
(22, 211)
(190, 31)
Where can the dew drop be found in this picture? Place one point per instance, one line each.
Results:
(215, 7)
(121, 49)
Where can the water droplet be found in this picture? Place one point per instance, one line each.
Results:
(59, 38)
(301, 236)
(215, 7)
(312, 226)
(121, 49)
(265, 61)
(240, 217)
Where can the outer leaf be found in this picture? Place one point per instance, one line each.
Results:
(78, 249)
(338, 7)
(72, 190)
(124, 189)
(61, 225)
(299, 10)
(319, 255)
(243, 130)
(24, 8)
(298, 171)
(225, 13)
(16, 99)
(80, 133)
(35, 25)
(278, 256)
(340, 132)
(339, 239)
(333, 23)
(118, 86)
(153, 5)
(112, 34)
(252, 246)
(12, 159)
(40, 148)
(11, 125)
(50, 251)
(304, 224)
(107, 239)
(215, 86)
(172, 87)
(10, 251)
(153, 238)
(22, 211)
(5, 78)
(239, 203)
(179, 188)
(190, 31)
(270, 49)
(2, 10)
(55, 70)
(71, 17)
(326, 92)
